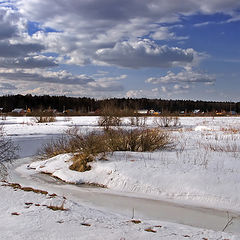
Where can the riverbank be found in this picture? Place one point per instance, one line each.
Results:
(188, 174)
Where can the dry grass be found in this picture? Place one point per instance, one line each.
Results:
(26, 189)
(88, 146)
(58, 208)
(150, 230)
(230, 129)
(226, 147)
(80, 162)
(135, 221)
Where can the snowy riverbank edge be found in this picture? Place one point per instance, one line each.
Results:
(136, 173)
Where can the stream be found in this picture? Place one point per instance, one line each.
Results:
(128, 204)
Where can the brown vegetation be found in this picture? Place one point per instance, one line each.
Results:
(26, 189)
(87, 146)
(58, 208)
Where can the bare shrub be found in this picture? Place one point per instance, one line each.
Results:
(110, 116)
(139, 121)
(7, 152)
(55, 147)
(138, 140)
(87, 146)
(44, 117)
(74, 142)
(167, 121)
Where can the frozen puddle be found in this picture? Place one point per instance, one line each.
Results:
(128, 204)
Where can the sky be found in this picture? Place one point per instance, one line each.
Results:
(167, 49)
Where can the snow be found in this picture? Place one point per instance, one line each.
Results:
(36, 221)
(202, 170)
(191, 172)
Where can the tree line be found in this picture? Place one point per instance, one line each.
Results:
(86, 105)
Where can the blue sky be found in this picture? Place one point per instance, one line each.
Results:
(186, 49)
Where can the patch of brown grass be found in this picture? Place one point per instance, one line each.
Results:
(135, 221)
(80, 162)
(58, 208)
(26, 189)
(150, 230)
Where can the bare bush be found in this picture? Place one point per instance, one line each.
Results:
(137, 140)
(44, 117)
(55, 147)
(139, 121)
(167, 121)
(87, 146)
(110, 116)
(7, 152)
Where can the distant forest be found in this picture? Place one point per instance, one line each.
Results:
(86, 105)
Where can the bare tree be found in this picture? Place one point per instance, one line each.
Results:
(7, 152)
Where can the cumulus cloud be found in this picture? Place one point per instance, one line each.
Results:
(7, 86)
(28, 62)
(6, 30)
(60, 77)
(101, 33)
(107, 83)
(186, 76)
(163, 33)
(144, 53)
(119, 11)
(8, 50)
(26, 81)
(7, 27)
(153, 93)
(87, 27)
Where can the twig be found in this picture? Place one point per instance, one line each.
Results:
(133, 213)
(229, 222)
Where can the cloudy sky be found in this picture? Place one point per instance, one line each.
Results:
(186, 49)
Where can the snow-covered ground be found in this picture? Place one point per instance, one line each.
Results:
(202, 170)
(25, 215)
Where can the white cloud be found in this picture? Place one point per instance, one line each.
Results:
(202, 24)
(58, 82)
(7, 86)
(144, 53)
(141, 93)
(36, 75)
(163, 33)
(101, 33)
(88, 26)
(186, 76)
(37, 61)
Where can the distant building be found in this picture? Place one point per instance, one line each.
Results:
(142, 111)
(233, 112)
(196, 111)
(18, 111)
